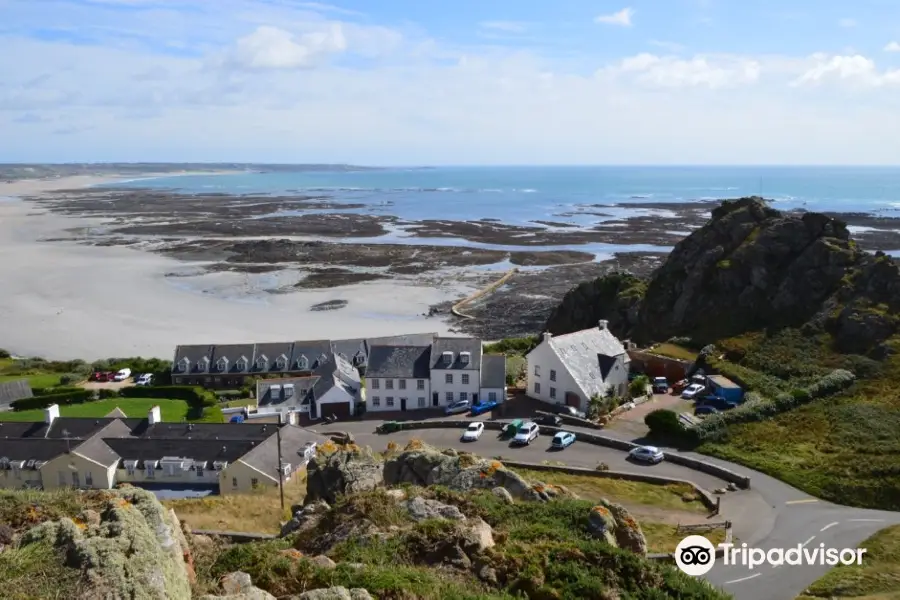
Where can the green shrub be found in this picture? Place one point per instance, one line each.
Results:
(664, 422)
(104, 393)
(72, 397)
(195, 396)
(638, 386)
(4, 354)
(55, 390)
(520, 346)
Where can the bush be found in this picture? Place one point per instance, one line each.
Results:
(55, 390)
(72, 397)
(638, 386)
(70, 378)
(4, 354)
(664, 422)
(194, 396)
(225, 395)
(104, 393)
(513, 345)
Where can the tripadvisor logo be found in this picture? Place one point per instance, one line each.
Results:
(695, 555)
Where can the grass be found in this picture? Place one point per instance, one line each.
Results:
(664, 537)
(173, 411)
(37, 378)
(674, 351)
(627, 493)
(257, 512)
(877, 578)
(37, 571)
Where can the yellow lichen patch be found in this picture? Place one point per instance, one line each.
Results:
(491, 469)
(79, 523)
(292, 553)
(326, 448)
(391, 447)
(538, 488)
(415, 444)
(602, 511)
(32, 515)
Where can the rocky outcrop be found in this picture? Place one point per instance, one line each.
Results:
(238, 586)
(305, 517)
(335, 593)
(750, 267)
(421, 509)
(614, 524)
(131, 549)
(345, 471)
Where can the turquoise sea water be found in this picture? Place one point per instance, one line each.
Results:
(523, 194)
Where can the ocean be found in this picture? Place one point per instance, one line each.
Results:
(521, 195)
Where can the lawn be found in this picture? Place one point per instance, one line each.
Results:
(173, 411)
(674, 351)
(877, 578)
(37, 378)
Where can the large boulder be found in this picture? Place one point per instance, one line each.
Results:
(344, 471)
(130, 549)
(335, 593)
(238, 586)
(425, 466)
(613, 524)
(421, 509)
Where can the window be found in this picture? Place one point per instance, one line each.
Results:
(234, 482)
(537, 370)
(150, 471)
(553, 392)
(302, 363)
(402, 384)
(463, 396)
(61, 478)
(448, 378)
(89, 479)
(242, 365)
(388, 384)
(537, 388)
(389, 400)
(129, 468)
(280, 364)
(199, 470)
(254, 483)
(421, 402)
(375, 384)
(552, 374)
(376, 401)
(420, 384)
(465, 379)
(76, 480)
(492, 396)
(262, 364)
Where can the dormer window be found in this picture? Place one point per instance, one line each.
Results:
(262, 363)
(222, 364)
(203, 364)
(323, 359)
(241, 364)
(464, 357)
(302, 363)
(184, 364)
(448, 358)
(359, 358)
(280, 363)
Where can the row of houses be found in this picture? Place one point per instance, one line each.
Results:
(325, 378)
(82, 452)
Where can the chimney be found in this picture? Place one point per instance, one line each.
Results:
(51, 413)
(547, 336)
(602, 324)
(154, 416)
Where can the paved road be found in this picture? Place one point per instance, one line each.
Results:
(770, 515)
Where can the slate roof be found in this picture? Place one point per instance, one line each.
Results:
(588, 354)
(313, 351)
(79, 428)
(354, 351)
(336, 371)
(264, 456)
(456, 345)
(19, 430)
(97, 450)
(209, 431)
(299, 383)
(199, 450)
(33, 449)
(116, 413)
(194, 354)
(233, 353)
(10, 391)
(271, 351)
(493, 371)
(403, 362)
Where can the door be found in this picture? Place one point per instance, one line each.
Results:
(435, 399)
(76, 480)
(572, 399)
(474, 398)
(402, 403)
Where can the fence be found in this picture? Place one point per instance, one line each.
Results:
(702, 527)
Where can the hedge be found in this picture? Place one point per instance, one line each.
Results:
(72, 397)
(55, 390)
(193, 395)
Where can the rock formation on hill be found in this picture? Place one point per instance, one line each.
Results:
(750, 267)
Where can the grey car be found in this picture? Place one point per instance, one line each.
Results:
(456, 408)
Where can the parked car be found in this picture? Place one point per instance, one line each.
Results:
(473, 431)
(717, 402)
(483, 407)
(458, 407)
(145, 379)
(565, 409)
(705, 409)
(660, 385)
(551, 420)
(527, 433)
(563, 439)
(122, 375)
(692, 390)
(103, 377)
(648, 454)
(95, 376)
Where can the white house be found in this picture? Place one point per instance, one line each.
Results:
(397, 378)
(572, 368)
(455, 370)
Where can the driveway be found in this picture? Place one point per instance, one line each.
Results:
(770, 515)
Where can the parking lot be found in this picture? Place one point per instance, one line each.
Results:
(632, 421)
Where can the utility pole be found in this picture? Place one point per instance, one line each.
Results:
(280, 465)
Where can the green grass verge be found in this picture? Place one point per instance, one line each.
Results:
(674, 351)
(173, 411)
(35, 380)
(878, 576)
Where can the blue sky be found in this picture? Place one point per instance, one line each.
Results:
(468, 82)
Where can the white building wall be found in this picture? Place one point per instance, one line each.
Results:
(499, 394)
(546, 360)
(412, 394)
(457, 388)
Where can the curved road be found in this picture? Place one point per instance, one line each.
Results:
(770, 515)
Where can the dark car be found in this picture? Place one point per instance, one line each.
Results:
(705, 409)
(717, 402)
(660, 385)
(551, 420)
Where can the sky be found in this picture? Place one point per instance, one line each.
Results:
(413, 82)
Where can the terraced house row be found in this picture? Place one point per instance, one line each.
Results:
(188, 458)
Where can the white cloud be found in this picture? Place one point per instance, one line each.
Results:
(621, 18)
(847, 23)
(892, 47)
(504, 26)
(699, 71)
(670, 46)
(274, 48)
(854, 69)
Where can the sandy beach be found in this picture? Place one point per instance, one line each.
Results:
(63, 300)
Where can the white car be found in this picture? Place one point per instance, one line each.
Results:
(526, 434)
(648, 454)
(692, 390)
(145, 379)
(122, 375)
(473, 432)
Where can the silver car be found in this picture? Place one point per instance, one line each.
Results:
(647, 454)
(456, 408)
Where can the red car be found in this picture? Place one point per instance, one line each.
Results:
(105, 376)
